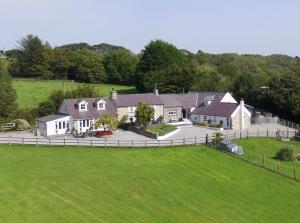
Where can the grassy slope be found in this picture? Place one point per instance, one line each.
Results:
(30, 92)
(269, 147)
(167, 185)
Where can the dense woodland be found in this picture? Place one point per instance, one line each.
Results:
(269, 82)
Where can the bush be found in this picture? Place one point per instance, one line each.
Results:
(284, 154)
(21, 124)
(123, 124)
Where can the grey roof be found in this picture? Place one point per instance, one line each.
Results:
(216, 109)
(92, 111)
(134, 99)
(49, 118)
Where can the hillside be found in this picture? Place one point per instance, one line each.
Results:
(31, 92)
(143, 185)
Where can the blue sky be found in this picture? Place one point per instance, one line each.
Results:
(215, 26)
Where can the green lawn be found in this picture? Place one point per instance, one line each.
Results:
(53, 184)
(162, 129)
(261, 146)
(30, 92)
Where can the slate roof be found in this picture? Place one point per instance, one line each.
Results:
(92, 111)
(216, 109)
(134, 99)
(49, 118)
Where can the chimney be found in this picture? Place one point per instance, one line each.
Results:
(155, 92)
(113, 94)
(242, 114)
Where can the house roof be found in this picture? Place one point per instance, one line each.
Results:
(216, 109)
(49, 118)
(92, 111)
(134, 99)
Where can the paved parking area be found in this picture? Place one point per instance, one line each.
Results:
(185, 132)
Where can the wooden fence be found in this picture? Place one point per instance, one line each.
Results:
(106, 142)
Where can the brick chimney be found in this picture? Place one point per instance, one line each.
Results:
(242, 114)
(113, 94)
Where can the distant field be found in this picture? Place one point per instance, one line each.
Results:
(269, 147)
(30, 92)
(142, 185)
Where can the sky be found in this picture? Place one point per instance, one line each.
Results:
(214, 26)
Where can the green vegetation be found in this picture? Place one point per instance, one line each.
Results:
(268, 82)
(194, 184)
(144, 113)
(31, 92)
(269, 147)
(161, 129)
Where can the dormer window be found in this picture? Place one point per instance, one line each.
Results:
(101, 104)
(82, 105)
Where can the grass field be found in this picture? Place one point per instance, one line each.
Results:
(30, 92)
(261, 146)
(52, 184)
(162, 129)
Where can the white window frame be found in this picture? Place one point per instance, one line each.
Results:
(172, 111)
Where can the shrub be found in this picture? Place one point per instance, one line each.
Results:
(284, 154)
(123, 124)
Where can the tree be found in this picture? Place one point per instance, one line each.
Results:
(158, 55)
(120, 67)
(107, 120)
(143, 113)
(173, 79)
(8, 95)
(90, 68)
(32, 57)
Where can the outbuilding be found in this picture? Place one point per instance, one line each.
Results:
(227, 145)
(51, 125)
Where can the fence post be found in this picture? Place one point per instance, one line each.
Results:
(257, 132)
(37, 141)
(247, 134)
(105, 142)
(278, 166)
(295, 176)
(240, 135)
(145, 143)
(287, 133)
(264, 160)
(77, 142)
(184, 141)
(196, 140)
(64, 142)
(9, 138)
(158, 143)
(267, 133)
(206, 139)
(172, 143)
(23, 141)
(131, 144)
(216, 140)
(119, 143)
(91, 143)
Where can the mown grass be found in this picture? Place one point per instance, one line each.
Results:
(185, 184)
(31, 92)
(268, 147)
(162, 129)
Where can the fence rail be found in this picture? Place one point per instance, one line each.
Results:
(91, 142)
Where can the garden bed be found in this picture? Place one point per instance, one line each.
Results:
(162, 129)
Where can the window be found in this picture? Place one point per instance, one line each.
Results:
(64, 125)
(82, 107)
(131, 109)
(59, 125)
(215, 119)
(173, 111)
(80, 123)
(83, 123)
(204, 118)
(56, 125)
(227, 121)
(68, 125)
(100, 105)
(87, 123)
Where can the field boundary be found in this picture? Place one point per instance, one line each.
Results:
(209, 139)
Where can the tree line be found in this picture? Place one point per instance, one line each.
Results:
(270, 82)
